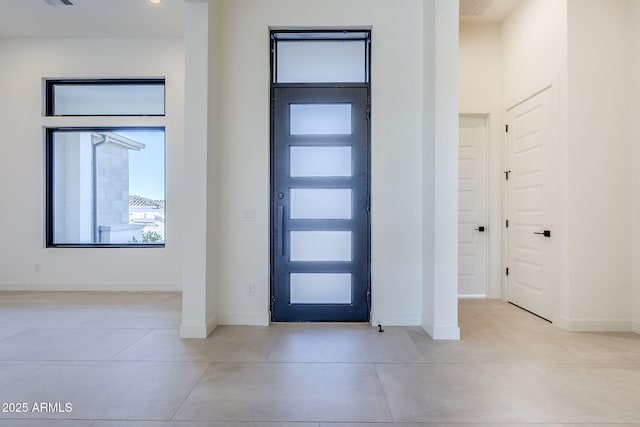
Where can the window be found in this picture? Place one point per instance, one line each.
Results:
(320, 56)
(105, 97)
(105, 185)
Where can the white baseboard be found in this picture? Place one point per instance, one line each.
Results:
(198, 330)
(246, 319)
(472, 297)
(562, 323)
(91, 287)
(600, 325)
(441, 332)
(395, 319)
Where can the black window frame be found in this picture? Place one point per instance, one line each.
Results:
(49, 185)
(307, 35)
(323, 34)
(50, 85)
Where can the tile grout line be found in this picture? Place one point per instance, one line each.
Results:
(172, 418)
(277, 335)
(384, 393)
(545, 368)
(130, 345)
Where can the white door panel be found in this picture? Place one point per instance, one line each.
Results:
(472, 206)
(530, 148)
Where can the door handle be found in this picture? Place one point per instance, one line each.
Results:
(480, 229)
(545, 233)
(280, 230)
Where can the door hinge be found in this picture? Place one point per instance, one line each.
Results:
(506, 128)
(506, 223)
(369, 112)
(506, 175)
(507, 271)
(368, 204)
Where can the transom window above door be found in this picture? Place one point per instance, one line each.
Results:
(321, 56)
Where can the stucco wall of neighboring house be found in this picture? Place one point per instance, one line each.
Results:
(73, 188)
(112, 184)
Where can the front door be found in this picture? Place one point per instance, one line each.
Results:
(320, 203)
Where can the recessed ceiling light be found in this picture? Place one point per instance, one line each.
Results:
(60, 2)
(155, 1)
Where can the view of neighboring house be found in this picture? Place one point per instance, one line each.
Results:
(150, 215)
(91, 192)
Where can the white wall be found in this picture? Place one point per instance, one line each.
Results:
(599, 164)
(533, 47)
(480, 82)
(480, 72)
(396, 150)
(23, 64)
(634, 20)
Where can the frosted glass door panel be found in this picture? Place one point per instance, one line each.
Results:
(320, 245)
(320, 161)
(318, 203)
(320, 119)
(321, 62)
(320, 288)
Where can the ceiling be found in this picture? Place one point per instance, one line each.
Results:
(133, 18)
(92, 18)
(494, 14)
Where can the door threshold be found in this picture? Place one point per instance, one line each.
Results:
(322, 324)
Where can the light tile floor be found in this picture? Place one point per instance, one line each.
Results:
(119, 360)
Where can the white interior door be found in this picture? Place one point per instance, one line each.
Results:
(531, 143)
(472, 207)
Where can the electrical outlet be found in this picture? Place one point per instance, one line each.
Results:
(251, 289)
(37, 268)
(248, 215)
